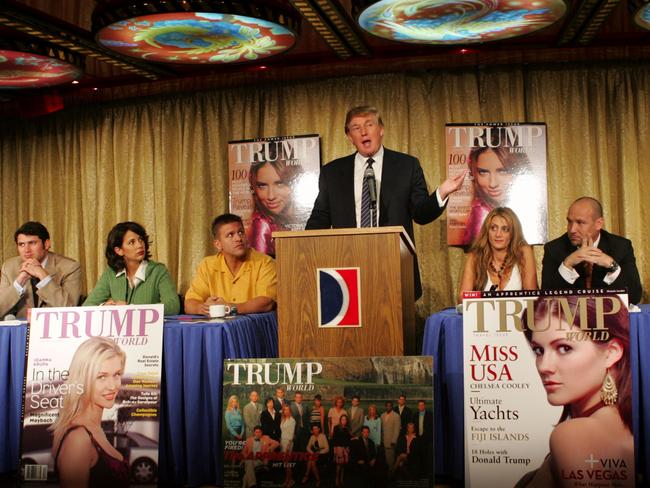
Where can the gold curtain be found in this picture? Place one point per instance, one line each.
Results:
(163, 161)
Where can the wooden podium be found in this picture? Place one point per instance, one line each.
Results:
(384, 256)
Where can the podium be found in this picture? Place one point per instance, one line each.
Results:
(384, 256)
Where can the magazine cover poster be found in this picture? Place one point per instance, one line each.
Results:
(273, 185)
(507, 168)
(92, 395)
(548, 389)
(329, 422)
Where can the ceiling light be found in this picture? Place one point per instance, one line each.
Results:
(35, 64)
(455, 22)
(642, 16)
(199, 32)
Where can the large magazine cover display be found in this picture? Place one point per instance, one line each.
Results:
(330, 422)
(507, 168)
(92, 395)
(548, 389)
(273, 185)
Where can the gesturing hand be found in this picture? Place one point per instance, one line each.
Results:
(450, 185)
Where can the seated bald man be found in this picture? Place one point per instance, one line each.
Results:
(588, 256)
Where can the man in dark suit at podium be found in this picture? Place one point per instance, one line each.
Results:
(346, 189)
(587, 256)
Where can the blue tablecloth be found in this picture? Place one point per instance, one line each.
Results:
(443, 339)
(190, 426)
(12, 370)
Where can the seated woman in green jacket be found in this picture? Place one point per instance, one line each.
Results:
(132, 278)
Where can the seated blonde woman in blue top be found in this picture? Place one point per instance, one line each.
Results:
(132, 278)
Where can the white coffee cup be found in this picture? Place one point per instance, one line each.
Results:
(217, 311)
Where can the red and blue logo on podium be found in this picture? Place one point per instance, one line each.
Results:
(339, 297)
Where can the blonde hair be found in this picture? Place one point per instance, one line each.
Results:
(84, 368)
(286, 408)
(483, 251)
(373, 407)
(232, 397)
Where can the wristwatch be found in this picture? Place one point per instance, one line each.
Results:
(233, 309)
(613, 267)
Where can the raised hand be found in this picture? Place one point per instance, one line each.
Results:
(450, 185)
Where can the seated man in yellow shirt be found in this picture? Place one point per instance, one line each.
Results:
(236, 275)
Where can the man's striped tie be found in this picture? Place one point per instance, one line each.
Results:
(365, 199)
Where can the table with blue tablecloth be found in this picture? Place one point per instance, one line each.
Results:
(191, 411)
(443, 339)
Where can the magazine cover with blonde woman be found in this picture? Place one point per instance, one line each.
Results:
(92, 396)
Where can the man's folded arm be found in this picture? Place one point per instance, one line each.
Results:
(256, 305)
(63, 294)
(9, 296)
(629, 275)
(265, 290)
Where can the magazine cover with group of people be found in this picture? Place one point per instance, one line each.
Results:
(92, 395)
(361, 422)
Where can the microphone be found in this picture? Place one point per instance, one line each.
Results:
(369, 176)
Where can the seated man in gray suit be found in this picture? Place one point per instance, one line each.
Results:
(37, 277)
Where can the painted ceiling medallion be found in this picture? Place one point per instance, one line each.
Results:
(26, 70)
(642, 17)
(196, 38)
(457, 22)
